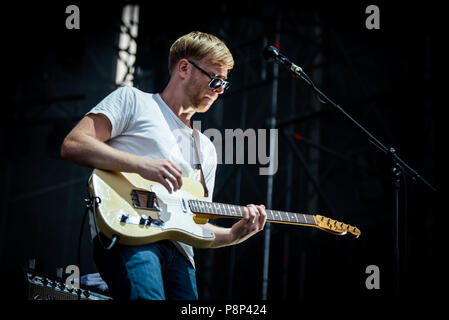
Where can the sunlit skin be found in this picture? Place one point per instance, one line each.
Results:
(188, 92)
(200, 95)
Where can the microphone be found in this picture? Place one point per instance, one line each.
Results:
(270, 52)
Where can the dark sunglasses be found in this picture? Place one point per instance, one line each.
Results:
(215, 82)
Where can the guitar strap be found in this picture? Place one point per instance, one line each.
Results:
(196, 142)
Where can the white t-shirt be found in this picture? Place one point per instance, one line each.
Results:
(143, 124)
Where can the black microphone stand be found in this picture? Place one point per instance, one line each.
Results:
(399, 167)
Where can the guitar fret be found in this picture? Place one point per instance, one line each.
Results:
(312, 219)
(216, 208)
(220, 211)
(293, 217)
(296, 217)
(224, 209)
(305, 218)
(280, 215)
(193, 205)
(232, 210)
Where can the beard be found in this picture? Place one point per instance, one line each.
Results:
(196, 97)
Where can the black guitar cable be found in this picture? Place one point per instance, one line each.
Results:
(91, 203)
(79, 243)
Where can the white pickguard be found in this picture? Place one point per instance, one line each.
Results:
(175, 212)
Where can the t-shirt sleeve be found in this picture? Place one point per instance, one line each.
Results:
(118, 106)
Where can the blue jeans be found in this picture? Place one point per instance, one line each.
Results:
(155, 271)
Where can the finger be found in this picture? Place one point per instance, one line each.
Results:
(165, 183)
(173, 180)
(252, 213)
(245, 214)
(178, 177)
(176, 174)
(172, 164)
(262, 216)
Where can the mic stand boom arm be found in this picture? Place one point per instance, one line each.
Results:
(398, 165)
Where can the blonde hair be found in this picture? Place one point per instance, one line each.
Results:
(196, 46)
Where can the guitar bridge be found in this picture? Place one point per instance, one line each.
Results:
(145, 200)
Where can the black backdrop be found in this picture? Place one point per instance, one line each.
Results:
(384, 78)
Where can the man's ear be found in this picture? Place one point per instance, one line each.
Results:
(183, 68)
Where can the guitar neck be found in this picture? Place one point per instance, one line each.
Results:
(218, 210)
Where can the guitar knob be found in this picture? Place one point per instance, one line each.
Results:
(124, 217)
(143, 219)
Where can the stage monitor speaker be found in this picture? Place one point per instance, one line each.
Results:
(21, 284)
(44, 288)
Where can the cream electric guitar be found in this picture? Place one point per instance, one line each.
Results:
(140, 211)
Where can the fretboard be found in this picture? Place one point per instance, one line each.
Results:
(234, 211)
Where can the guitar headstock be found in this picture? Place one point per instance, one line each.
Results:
(336, 227)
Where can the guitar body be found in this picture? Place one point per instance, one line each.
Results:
(140, 211)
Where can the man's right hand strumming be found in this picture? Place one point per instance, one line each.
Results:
(85, 145)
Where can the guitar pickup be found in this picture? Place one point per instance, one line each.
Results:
(145, 200)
